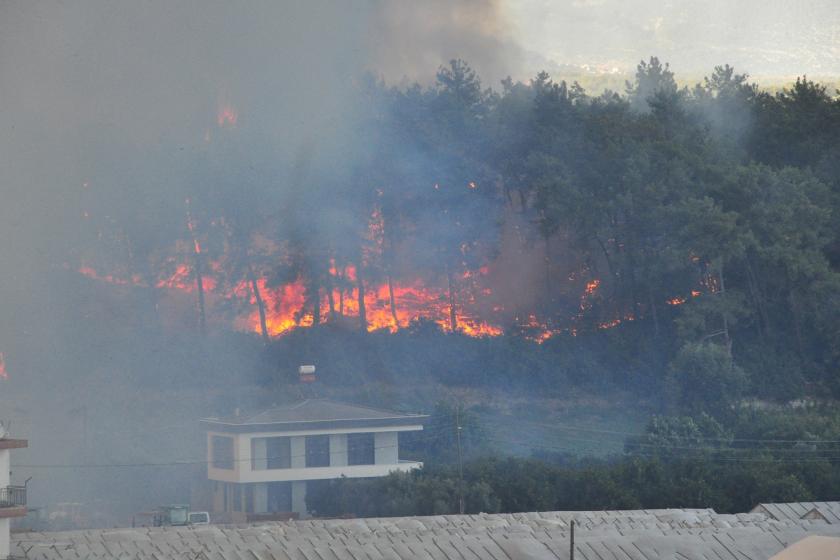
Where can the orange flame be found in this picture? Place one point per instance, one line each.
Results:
(227, 116)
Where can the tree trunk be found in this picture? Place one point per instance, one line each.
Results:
(316, 289)
(330, 295)
(255, 288)
(723, 313)
(341, 276)
(453, 320)
(393, 303)
(199, 284)
(758, 298)
(360, 286)
(548, 297)
(797, 323)
(653, 313)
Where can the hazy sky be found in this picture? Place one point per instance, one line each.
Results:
(763, 37)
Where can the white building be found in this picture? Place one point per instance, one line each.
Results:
(263, 464)
(12, 498)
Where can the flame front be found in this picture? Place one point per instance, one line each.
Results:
(227, 116)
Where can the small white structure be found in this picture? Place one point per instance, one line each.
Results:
(12, 498)
(264, 463)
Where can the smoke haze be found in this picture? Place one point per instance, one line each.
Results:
(112, 116)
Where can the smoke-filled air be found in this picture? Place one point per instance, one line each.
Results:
(577, 235)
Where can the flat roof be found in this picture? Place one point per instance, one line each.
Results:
(314, 414)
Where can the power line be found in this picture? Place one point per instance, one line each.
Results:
(189, 462)
(704, 438)
(710, 458)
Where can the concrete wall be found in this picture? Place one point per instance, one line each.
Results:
(259, 460)
(4, 468)
(338, 450)
(385, 448)
(299, 498)
(298, 447)
(4, 523)
(4, 538)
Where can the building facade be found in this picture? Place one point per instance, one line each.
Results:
(265, 463)
(12, 498)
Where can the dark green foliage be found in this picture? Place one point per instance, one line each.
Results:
(511, 485)
(708, 220)
(703, 377)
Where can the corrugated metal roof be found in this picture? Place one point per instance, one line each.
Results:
(615, 535)
(830, 511)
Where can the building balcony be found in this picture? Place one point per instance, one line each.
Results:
(312, 473)
(12, 501)
(12, 496)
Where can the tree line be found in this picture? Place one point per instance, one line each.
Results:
(685, 462)
(707, 216)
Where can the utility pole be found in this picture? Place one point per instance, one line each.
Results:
(572, 542)
(460, 460)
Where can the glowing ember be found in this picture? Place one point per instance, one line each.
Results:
(89, 272)
(676, 301)
(227, 116)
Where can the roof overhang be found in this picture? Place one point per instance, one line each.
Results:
(9, 443)
(240, 427)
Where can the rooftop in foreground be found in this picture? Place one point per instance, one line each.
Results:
(312, 412)
(625, 535)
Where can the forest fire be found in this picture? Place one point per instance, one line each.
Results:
(446, 292)
(289, 306)
(227, 116)
(286, 308)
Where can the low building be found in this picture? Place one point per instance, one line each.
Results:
(12, 498)
(264, 463)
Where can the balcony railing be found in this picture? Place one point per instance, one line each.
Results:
(13, 496)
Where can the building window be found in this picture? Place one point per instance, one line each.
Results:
(221, 448)
(237, 497)
(271, 453)
(360, 449)
(279, 497)
(249, 498)
(317, 451)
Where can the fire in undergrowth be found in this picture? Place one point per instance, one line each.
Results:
(464, 301)
(393, 306)
(227, 115)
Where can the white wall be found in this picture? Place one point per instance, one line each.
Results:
(4, 468)
(4, 523)
(386, 456)
(385, 448)
(338, 450)
(4, 538)
(299, 498)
